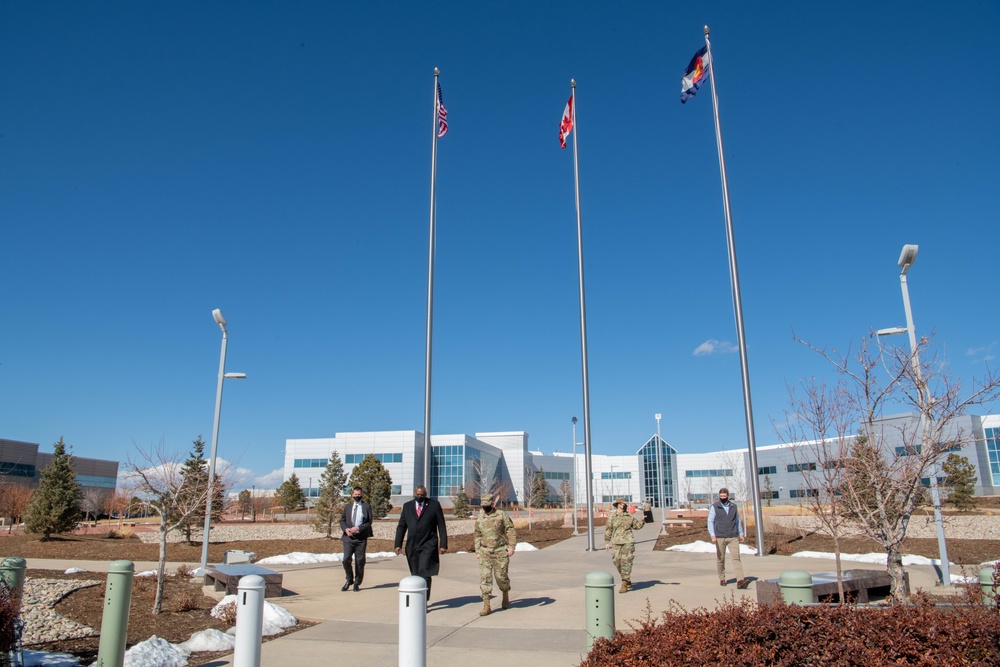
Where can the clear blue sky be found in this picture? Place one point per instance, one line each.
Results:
(159, 160)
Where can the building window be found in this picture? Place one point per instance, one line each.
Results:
(698, 497)
(803, 493)
(611, 499)
(557, 475)
(447, 468)
(767, 470)
(17, 469)
(383, 457)
(909, 450)
(834, 465)
(719, 472)
(799, 467)
(615, 475)
(310, 463)
(774, 495)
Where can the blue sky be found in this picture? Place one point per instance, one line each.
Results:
(159, 160)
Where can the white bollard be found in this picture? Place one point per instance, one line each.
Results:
(249, 621)
(413, 622)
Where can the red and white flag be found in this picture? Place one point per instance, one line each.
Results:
(566, 125)
(442, 114)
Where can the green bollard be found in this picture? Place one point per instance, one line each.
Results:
(796, 587)
(986, 585)
(600, 606)
(12, 574)
(114, 622)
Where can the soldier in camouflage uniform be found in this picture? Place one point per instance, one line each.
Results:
(495, 540)
(618, 537)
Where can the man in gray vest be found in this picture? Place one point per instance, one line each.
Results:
(726, 530)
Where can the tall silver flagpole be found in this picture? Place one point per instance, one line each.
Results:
(734, 277)
(430, 294)
(583, 335)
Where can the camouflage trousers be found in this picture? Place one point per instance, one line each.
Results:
(622, 556)
(493, 563)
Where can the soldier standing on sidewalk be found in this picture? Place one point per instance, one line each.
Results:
(618, 537)
(495, 540)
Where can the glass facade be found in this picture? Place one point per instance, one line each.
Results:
(715, 472)
(447, 466)
(668, 459)
(993, 450)
(383, 457)
(310, 463)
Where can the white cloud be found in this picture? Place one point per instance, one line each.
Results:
(712, 346)
(271, 480)
(984, 353)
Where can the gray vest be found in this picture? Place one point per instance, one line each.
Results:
(726, 523)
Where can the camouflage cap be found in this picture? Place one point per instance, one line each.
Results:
(619, 501)
(486, 499)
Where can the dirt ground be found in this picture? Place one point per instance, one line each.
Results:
(186, 608)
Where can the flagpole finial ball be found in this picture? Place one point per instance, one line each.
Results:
(706, 30)
(436, 71)
(572, 82)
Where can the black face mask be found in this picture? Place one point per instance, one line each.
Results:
(420, 499)
(357, 499)
(489, 509)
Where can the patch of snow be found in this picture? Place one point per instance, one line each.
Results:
(989, 563)
(74, 570)
(701, 547)
(873, 558)
(959, 579)
(525, 546)
(41, 659)
(156, 652)
(276, 618)
(210, 640)
(217, 609)
(303, 558)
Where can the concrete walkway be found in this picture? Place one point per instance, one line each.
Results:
(544, 626)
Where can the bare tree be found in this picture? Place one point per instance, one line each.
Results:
(14, 499)
(882, 483)
(92, 502)
(156, 474)
(819, 427)
(486, 479)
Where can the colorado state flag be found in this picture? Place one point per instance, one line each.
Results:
(696, 73)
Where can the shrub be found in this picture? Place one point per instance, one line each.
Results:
(10, 615)
(189, 600)
(226, 613)
(739, 634)
(183, 570)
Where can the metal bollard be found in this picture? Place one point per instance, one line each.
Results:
(413, 622)
(796, 587)
(114, 621)
(249, 621)
(600, 604)
(987, 587)
(12, 574)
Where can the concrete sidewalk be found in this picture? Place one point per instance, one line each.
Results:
(545, 624)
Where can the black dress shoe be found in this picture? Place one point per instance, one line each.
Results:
(357, 587)
(347, 586)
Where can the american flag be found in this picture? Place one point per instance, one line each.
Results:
(442, 115)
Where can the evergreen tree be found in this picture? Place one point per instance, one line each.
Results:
(194, 491)
(375, 482)
(539, 488)
(330, 502)
(960, 477)
(55, 504)
(461, 502)
(245, 502)
(289, 495)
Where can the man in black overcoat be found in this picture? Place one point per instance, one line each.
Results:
(423, 519)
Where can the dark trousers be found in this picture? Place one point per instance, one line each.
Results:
(354, 550)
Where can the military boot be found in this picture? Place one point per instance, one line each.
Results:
(506, 600)
(486, 607)
(626, 585)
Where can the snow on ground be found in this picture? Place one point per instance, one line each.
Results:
(874, 558)
(276, 618)
(147, 573)
(303, 558)
(210, 640)
(156, 652)
(525, 546)
(74, 570)
(700, 547)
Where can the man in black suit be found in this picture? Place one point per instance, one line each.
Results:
(356, 522)
(423, 519)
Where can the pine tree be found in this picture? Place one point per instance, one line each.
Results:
(461, 502)
(289, 495)
(194, 490)
(539, 489)
(330, 502)
(960, 477)
(55, 505)
(375, 482)
(245, 502)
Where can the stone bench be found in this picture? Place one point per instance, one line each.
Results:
(227, 578)
(859, 585)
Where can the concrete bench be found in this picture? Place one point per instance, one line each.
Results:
(859, 585)
(227, 578)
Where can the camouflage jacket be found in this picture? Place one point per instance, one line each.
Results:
(494, 531)
(619, 527)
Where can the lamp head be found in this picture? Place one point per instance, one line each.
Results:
(891, 331)
(574, 420)
(219, 319)
(658, 416)
(907, 257)
(236, 376)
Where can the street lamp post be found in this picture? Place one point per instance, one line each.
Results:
(612, 483)
(223, 375)
(576, 529)
(906, 259)
(659, 477)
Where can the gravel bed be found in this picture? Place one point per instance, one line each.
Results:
(41, 623)
(955, 526)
